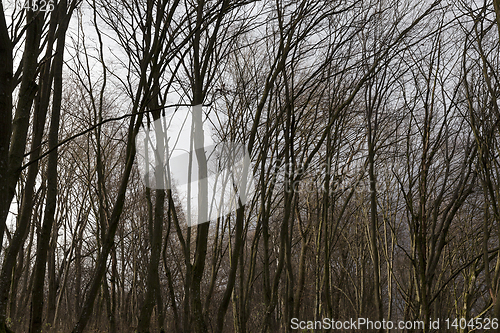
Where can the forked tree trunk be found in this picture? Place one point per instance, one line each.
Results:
(43, 241)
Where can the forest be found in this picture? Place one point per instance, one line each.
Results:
(249, 166)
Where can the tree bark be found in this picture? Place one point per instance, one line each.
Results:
(156, 230)
(11, 160)
(43, 241)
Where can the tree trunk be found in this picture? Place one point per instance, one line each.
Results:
(113, 225)
(43, 241)
(6, 77)
(11, 160)
(156, 231)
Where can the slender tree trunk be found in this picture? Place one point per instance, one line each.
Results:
(373, 229)
(171, 215)
(53, 279)
(11, 160)
(231, 280)
(6, 88)
(43, 241)
(198, 133)
(113, 225)
(156, 230)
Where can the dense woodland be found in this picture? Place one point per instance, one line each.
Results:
(373, 130)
